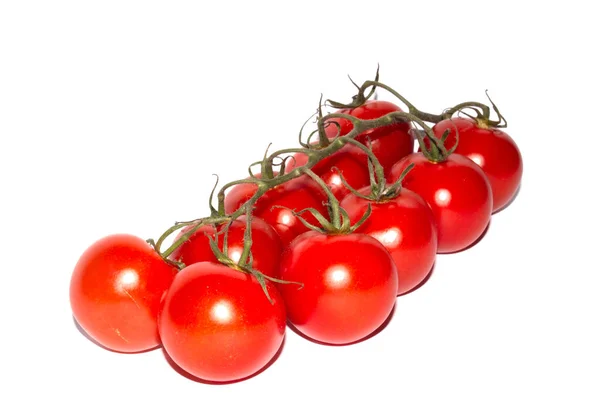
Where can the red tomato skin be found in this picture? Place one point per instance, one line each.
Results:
(217, 324)
(350, 285)
(351, 162)
(389, 143)
(405, 227)
(115, 292)
(458, 193)
(493, 150)
(266, 245)
(296, 194)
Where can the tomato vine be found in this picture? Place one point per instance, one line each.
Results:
(324, 148)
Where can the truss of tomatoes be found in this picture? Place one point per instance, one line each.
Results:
(217, 324)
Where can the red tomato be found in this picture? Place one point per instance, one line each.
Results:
(217, 324)
(115, 292)
(406, 228)
(351, 162)
(458, 193)
(389, 143)
(297, 194)
(350, 286)
(266, 245)
(490, 148)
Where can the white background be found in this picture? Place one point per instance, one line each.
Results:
(114, 115)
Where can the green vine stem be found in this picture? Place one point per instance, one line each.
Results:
(376, 173)
(314, 156)
(196, 224)
(323, 139)
(333, 204)
(246, 257)
(360, 99)
(325, 148)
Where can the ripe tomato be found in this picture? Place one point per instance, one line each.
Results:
(493, 150)
(350, 285)
(351, 162)
(217, 324)
(266, 245)
(406, 228)
(389, 143)
(297, 194)
(458, 193)
(115, 292)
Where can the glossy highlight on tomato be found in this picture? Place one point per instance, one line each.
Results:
(351, 164)
(217, 324)
(493, 150)
(296, 194)
(349, 286)
(266, 245)
(115, 292)
(389, 143)
(405, 226)
(458, 193)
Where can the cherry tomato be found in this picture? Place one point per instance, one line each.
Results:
(458, 193)
(217, 323)
(297, 194)
(351, 162)
(349, 286)
(389, 143)
(406, 228)
(493, 150)
(266, 245)
(115, 292)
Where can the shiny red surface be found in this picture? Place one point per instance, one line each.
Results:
(350, 285)
(297, 194)
(217, 324)
(458, 193)
(405, 226)
(493, 150)
(351, 163)
(266, 245)
(389, 143)
(115, 292)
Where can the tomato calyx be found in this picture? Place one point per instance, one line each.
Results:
(482, 117)
(245, 266)
(326, 226)
(434, 149)
(338, 221)
(392, 191)
(245, 262)
(379, 190)
(437, 152)
(501, 123)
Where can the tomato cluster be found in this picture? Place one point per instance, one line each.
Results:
(326, 243)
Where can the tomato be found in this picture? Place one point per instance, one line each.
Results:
(406, 228)
(296, 194)
(458, 193)
(351, 162)
(493, 150)
(218, 325)
(266, 245)
(350, 285)
(389, 143)
(115, 292)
